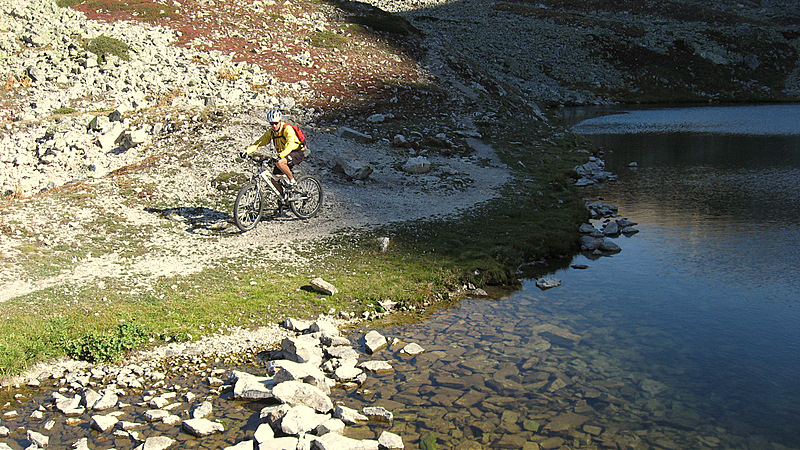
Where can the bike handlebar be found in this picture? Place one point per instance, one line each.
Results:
(259, 158)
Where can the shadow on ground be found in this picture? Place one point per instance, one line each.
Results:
(201, 220)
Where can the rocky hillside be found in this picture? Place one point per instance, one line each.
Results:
(560, 52)
(162, 67)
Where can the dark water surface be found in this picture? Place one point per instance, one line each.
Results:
(689, 338)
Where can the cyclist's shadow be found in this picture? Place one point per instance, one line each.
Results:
(201, 220)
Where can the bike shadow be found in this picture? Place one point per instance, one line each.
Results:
(200, 220)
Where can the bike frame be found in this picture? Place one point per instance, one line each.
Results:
(265, 176)
(249, 206)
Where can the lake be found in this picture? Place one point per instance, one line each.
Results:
(687, 338)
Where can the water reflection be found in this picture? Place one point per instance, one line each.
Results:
(689, 338)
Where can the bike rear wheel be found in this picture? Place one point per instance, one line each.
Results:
(307, 197)
(249, 207)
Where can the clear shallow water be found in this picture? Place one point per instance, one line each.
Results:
(689, 338)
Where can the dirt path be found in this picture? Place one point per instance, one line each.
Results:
(167, 233)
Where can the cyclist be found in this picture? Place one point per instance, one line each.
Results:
(287, 145)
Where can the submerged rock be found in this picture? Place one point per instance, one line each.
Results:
(547, 283)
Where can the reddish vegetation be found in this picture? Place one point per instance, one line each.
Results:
(362, 68)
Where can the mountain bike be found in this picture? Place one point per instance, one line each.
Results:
(259, 199)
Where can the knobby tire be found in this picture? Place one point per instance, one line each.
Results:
(307, 197)
(248, 208)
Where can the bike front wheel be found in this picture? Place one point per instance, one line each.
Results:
(307, 197)
(249, 207)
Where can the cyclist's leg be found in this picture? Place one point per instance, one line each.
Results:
(283, 165)
(292, 159)
(277, 171)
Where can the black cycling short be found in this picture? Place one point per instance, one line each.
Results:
(292, 159)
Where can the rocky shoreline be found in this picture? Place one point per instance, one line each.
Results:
(150, 404)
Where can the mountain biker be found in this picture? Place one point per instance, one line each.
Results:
(287, 145)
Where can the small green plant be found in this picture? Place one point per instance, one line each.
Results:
(68, 3)
(95, 347)
(326, 39)
(65, 110)
(229, 181)
(104, 45)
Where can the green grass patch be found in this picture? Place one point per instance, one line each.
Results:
(103, 322)
(327, 39)
(102, 46)
(65, 110)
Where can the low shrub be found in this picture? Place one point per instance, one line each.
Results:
(104, 45)
(95, 347)
(326, 39)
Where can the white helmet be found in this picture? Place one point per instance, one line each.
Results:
(274, 116)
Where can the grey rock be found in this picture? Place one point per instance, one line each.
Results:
(249, 386)
(351, 134)
(38, 439)
(377, 366)
(374, 341)
(244, 445)
(348, 163)
(333, 441)
(547, 282)
(202, 427)
(302, 419)
(417, 165)
(153, 415)
(342, 352)
(103, 423)
(323, 286)
(349, 415)
(347, 373)
(302, 349)
(203, 410)
(607, 245)
(412, 349)
(325, 327)
(332, 425)
(378, 413)
(108, 400)
(390, 441)
(298, 393)
(286, 370)
(293, 324)
(282, 443)
(400, 141)
(264, 432)
(611, 229)
(156, 443)
(273, 414)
